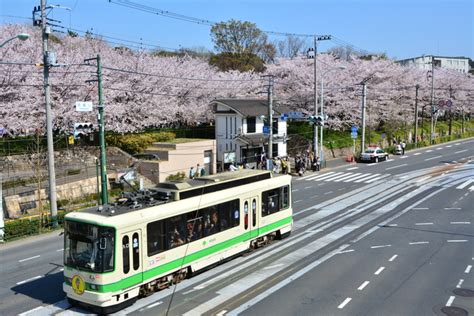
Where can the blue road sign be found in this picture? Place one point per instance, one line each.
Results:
(295, 115)
(353, 134)
(354, 129)
(266, 129)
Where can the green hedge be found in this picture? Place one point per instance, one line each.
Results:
(137, 143)
(17, 228)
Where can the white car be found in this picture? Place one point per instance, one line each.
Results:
(373, 154)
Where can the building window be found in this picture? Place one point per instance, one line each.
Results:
(251, 124)
(226, 128)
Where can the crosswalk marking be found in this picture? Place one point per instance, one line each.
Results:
(323, 176)
(347, 177)
(465, 184)
(369, 176)
(343, 175)
(356, 177)
(377, 178)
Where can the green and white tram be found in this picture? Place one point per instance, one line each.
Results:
(115, 254)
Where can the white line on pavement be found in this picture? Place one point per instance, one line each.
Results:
(321, 176)
(31, 311)
(468, 269)
(60, 250)
(329, 192)
(380, 246)
(306, 188)
(30, 258)
(457, 144)
(273, 266)
(428, 151)
(379, 270)
(353, 168)
(346, 251)
(465, 184)
(460, 223)
(297, 201)
(368, 177)
(393, 258)
(435, 157)
(457, 240)
(461, 151)
(296, 190)
(347, 300)
(30, 279)
(221, 313)
(449, 146)
(154, 304)
(460, 283)
(452, 208)
(416, 154)
(355, 176)
(450, 301)
(423, 179)
(361, 287)
(394, 167)
(377, 178)
(343, 175)
(419, 243)
(420, 208)
(372, 164)
(422, 224)
(439, 148)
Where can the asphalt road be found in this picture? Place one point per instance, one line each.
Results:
(393, 238)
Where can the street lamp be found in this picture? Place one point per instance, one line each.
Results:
(21, 36)
(321, 154)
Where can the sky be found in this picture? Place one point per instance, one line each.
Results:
(399, 28)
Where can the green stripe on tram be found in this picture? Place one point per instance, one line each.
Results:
(138, 278)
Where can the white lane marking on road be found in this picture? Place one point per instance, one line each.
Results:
(319, 176)
(353, 168)
(392, 225)
(30, 258)
(452, 208)
(457, 240)
(457, 144)
(329, 192)
(296, 190)
(273, 266)
(348, 176)
(449, 146)
(297, 201)
(435, 157)
(465, 184)
(372, 164)
(361, 287)
(369, 176)
(423, 179)
(354, 177)
(471, 188)
(346, 251)
(419, 243)
(461, 281)
(416, 154)
(62, 269)
(306, 188)
(460, 223)
(221, 313)
(420, 208)
(439, 148)
(30, 279)
(428, 151)
(380, 246)
(334, 177)
(346, 301)
(379, 270)
(394, 167)
(154, 304)
(422, 224)
(450, 301)
(393, 258)
(31, 311)
(377, 178)
(460, 151)
(468, 269)
(60, 250)
(308, 176)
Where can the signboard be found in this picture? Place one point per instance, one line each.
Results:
(229, 157)
(83, 106)
(284, 117)
(447, 103)
(70, 140)
(295, 115)
(266, 129)
(354, 129)
(354, 135)
(383, 135)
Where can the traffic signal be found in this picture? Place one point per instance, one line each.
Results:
(82, 129)
(316, 119)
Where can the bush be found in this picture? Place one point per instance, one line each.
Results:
(137, 143)
(17, 228)
(176, 177)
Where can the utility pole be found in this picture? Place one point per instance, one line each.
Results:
(432, 102)
(416, 115)
(48, 60)
(270, 118)
(315, 127)
(362, 139)
(100, 107)
(450, 113)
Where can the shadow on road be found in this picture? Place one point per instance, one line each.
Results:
(48, 289)
(428, 231)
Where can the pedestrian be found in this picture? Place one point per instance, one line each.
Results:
(403, 144)
(203, 172)
(198, 171)
(232, 167)
(192, 172)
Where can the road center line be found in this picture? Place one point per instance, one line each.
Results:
(460, 223)
(30, 258)
(347, 300)
(353, 168)
(450, 301)
(452, 208)
(436, 157)
(468, 269)
(460, 151)
(60, 250)
(393, 258)
(416, 154)
(402, 165)
(460, 283)
(457, 240)
(154, 304)
(420, 208)
(381, 246)
(361, 287)
(29, 280)
(329, 192)
(419, 242)
(346, 251)
(379, 270)
(422, 224)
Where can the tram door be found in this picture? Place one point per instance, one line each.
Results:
(250, 216)
(131, 254)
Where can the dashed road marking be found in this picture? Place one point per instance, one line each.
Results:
(60, 250)
(416, 154)
(361, 287)
(450, 301)
(31, 311)
(452, 208)
(30, 258)
(457, 240)
(353, 168)
(393, 258)
(394, 167)
(423, 224)
(419, 243)
(460, 283)
(420, 208)
(436, 157)
(379, 270)
(465, 184)
(460, 151)
(460, 223)
(346, 251)
(428, 151)
(329, 192)
(29, 280)
(297, 201)
(347, 300)
(468, 269)
(380, 246)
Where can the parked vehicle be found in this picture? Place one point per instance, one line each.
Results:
(398, 150)
(373, 154)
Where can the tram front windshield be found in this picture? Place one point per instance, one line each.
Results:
(88, 247)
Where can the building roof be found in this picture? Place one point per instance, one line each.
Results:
(434, 56)
(251, 107)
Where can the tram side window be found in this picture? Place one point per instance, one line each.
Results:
(175, 229)
(275, 200)
(194, 226)
(126, 254)
(156, 237)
